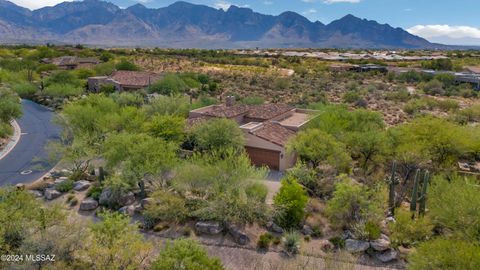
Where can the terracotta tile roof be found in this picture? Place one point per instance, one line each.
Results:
(88, 60)
(135, 78)
(225, 111)
(268, 111)
(274, 133)
(192, 122)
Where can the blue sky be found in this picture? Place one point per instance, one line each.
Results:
(447, 21)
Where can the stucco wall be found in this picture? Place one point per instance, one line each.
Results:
(286, 160)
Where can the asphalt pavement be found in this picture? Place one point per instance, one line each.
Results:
(28, 160)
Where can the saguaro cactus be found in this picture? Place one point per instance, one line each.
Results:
(423, 198)
(392, 182)
(413, 203)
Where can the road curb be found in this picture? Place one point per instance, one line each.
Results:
(13, 141)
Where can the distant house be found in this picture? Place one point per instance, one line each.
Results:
(369, 68)
(124, 80)
(72, 62)
(267, 129)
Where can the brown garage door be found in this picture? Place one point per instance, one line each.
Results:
(264, 157)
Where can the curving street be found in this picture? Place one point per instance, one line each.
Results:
(28, 160)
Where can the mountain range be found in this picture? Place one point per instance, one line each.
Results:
(186, 25)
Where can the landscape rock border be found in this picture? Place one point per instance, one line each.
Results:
(17, 132)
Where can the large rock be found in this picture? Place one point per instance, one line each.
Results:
(356, 246)
(240, 237)
(36, 193)
(88, 204)
(51, 194)
(380, 244)
(208, 227)
(128, 210)
(307, 230)
(387, 256)
(273, 227)
(146, 201)
(81, 185)
(120, 198)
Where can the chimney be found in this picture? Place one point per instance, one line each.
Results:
(230, 101)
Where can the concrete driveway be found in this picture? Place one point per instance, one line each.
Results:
(28, 160)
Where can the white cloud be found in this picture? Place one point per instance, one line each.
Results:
(310, 11)
(226, 5)
(430, 31)
(35, 4)
(448, 34)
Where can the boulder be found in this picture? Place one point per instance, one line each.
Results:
(88, 204)
(387, 256)
(240, 237)
(380, 244)
(20, 186)
(146, 202)
(356, 246)
(51, 193)
(121, 198)
(208, 227)
(307, 230)
(36, 193)
(128, 210)
(273, 227)
(81, 185)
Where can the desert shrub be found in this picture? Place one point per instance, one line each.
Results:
(171, 84)
(400, 94)
(170, 128)
(470, 114)
(264, 241)
(290, 203)
(291, 242)
(167, 207)
(62, 90)
(24, 89)
(351, 203)
(415, 106)
(124, 64)
(186, 254)
(445, 254)
(65, 186)
(10, 107)
(317, 231)
(447, 105)
(94, 192)
(5, 130)
(338, 242)
(107, 88)
(257, 191)
(454, 206)
(84, 73)
(434, 88)
(366, 230)
(252, 100)
(407, 231)
(125, 99)
(351, 97)
(104, 69)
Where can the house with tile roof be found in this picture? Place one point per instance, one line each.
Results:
(124, 80)
(267, 129)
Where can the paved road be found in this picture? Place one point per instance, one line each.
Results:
(28, 161)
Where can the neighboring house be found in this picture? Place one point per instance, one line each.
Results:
(267, 129)
(369, 68)
(72, 62)
(124, 80)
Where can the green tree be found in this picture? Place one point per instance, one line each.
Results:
(170, 128)
(353, 203)
(171, 84)
(137, 156)
(185, 254)
(116, 244)
(290, 203)
(318, 147)
(218, 135)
